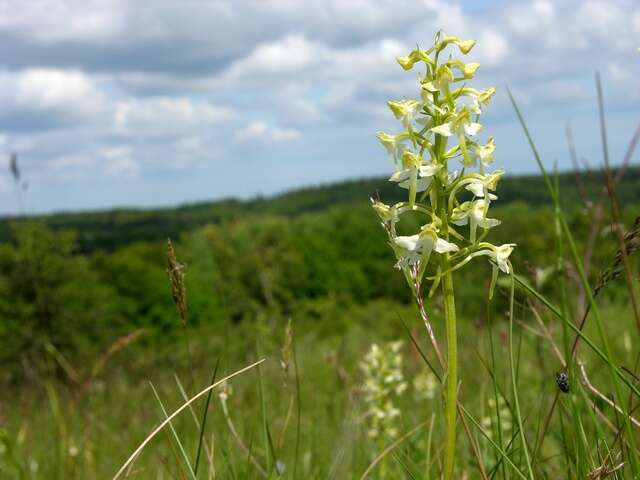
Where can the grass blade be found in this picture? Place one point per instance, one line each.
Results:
(176, 412)
(175, 434)
(203, 424)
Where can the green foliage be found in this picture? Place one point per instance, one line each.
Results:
(49, 297)
(234, 270)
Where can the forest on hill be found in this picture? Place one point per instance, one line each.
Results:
(110, 229)
(77, 281)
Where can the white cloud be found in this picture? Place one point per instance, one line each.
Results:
(530, 19)
(68, 94)
(166, 115)
(260, 132)
(290, 55)
(49, 89)
(492, 48)
(53, 20)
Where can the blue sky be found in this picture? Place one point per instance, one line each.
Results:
(157, 102)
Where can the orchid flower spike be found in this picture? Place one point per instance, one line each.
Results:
(442, 125)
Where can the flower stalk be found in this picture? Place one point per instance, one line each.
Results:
(453, 203)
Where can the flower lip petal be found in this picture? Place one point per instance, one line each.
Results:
(477, 188)
(410, 242)
(421, 184)
(445, 129)
(429, 170)
(472, 128)
(401, 175)
(443, 246)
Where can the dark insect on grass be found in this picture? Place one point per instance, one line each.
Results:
(562, 380)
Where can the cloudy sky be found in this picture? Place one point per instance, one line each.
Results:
(159, 102)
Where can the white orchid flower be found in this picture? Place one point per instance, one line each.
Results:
(460, 125)
(393, 143)
(415, 176)
(500, 256)
(481, 184)
(480, 98)
(475, 215)
(440, 83)
(484, 154)
(405, 110)
(388, 214)
(418, 248)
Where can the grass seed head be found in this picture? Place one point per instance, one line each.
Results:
(175, 271)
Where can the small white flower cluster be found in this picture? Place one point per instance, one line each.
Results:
(425, 385)
(490, 424)
(448, 111)
(383, 383)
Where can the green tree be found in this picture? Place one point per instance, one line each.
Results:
(49, 297)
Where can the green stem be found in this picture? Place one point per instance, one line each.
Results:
(452, 369)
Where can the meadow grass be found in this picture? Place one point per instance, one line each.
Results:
(61, 433)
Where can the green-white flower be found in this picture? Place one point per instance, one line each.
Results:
(500, 259)
(483, 154)
(479, 98)
(405, 110)
(467, 70)
(459, 124)
(418, 248)
(473, 213)
(415, 176)
(388, 214)
(465, 46)
(481, 184)
(393, 144)
(500, 255)
(408, 61)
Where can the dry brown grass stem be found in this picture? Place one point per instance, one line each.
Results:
(547, 335)
(155, 431)
(120, 344)
(604, 471)
(604, 398)
(427, 321)
(241, 444)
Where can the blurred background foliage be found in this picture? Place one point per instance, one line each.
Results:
(72, 283)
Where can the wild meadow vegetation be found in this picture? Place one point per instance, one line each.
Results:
(474, 358)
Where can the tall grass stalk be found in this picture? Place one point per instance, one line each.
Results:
(615, 373)
(176, 437)
(514, 384)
